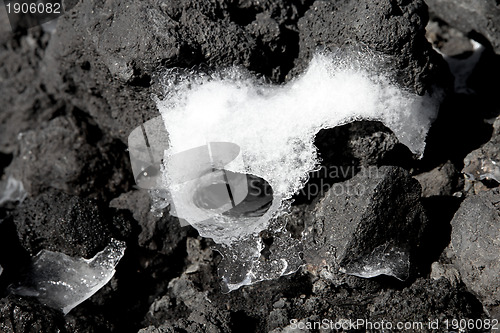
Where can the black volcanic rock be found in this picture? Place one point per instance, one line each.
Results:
(60, 222)
(377, 208)
(393, 28)
(476, 16)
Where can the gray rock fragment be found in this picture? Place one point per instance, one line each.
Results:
(59, 222)
(163, 233)
(480, 16)
(442, 180)
(394, 28)
(27, 315)
(475, 246)
(377, 209)
(483, 164)
(71, 154)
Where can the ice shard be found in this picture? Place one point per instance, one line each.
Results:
(11, 190)
(63, 282)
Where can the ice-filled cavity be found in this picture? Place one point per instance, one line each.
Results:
(63, 282)
(227, 127)
(384, 260)
(12, 191)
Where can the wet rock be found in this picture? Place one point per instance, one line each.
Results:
(118, 51)
(442, 180)
(343, 150)
(470, 16)
(203, 315)
(448, 40)
(475, 245)
(23, 99)
(63, 223)
(425, 300)
(394, 28)
(27, 315)
(70, 153)
(163, 234)
(482, 166)
(376, 214)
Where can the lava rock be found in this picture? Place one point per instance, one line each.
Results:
(160, 233)
(60, 222)
(343, 150)
(28, 315)
(442, 180)
(71, 154)
(203, 316)
(378, 207)
(470, 16)
(474, 246)
(393, 28)
(23, 99)
(118, 52)
(424, 301)
(482, 166)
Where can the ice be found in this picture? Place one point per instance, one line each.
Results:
(63, 282)
(1, 270)
(384, 260)
(12, 190)
(227, 128)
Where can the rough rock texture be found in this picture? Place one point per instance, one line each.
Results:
(117, 51)
(475, 246)
(59, 222)
(24, 101)
(71, 154)
(162, 234)
(25, 315)
(443, 180)
(393, 28)
(478, 16)
(482, 166)
(78, 90)
(376, 207)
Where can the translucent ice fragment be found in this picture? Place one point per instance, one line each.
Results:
(1, 270)
(12, 190)
(384, 259)
(146, 145)
(244, 264)
(63, 282)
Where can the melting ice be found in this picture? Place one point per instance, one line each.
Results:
(12, 190)
(274, 129)
(63, 282)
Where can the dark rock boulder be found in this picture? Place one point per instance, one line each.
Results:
(373, 220)
(60, 222)
(71, 154)
(475, 246)
(442, 180)
(104, 55)
(393, 28)
(481, 166)
(478, 16)
(27, 315)
(161, 233)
